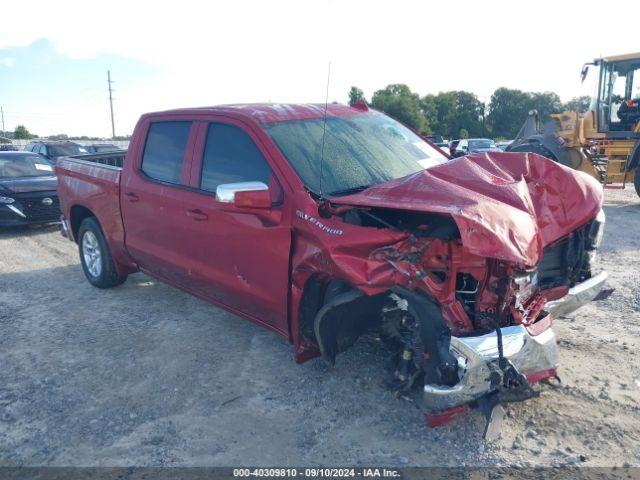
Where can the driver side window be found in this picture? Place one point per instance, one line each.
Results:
(231, 156)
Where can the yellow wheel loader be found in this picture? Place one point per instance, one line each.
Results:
(604, 141)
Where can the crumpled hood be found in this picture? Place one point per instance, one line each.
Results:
(28, 184)
(507, 206)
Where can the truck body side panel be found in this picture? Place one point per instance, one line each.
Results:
(154, 215)
(96, 188)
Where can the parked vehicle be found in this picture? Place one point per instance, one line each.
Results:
(474, 145)
(52, 150)
(503, 144)
(453, 148)
(436, 139)
(6, 145)
(323, 225)
(102, 148)
(444, 146)
(27, 190)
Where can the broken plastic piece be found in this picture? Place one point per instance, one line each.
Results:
(542, 375)
(494, 414)
(437, 419)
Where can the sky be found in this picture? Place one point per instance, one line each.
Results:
(54, 60)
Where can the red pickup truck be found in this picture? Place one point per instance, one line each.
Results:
(325, 223)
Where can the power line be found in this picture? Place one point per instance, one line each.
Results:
(113, 125)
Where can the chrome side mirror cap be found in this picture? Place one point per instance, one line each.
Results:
(244, 194)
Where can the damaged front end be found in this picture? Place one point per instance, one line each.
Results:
(463, 296)
(464, 329)
(495, 368)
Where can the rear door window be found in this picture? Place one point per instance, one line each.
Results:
(231, 156)
(164, 151)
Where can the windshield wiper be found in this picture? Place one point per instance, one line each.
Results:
(349, 190)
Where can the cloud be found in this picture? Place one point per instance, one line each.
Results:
(8, 62)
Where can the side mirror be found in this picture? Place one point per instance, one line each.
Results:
(584, 72)
(244, 195)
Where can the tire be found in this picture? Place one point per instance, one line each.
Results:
(95, 256)
(636, 179)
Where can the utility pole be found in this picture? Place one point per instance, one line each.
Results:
(2, 114)
(484, 112)
(113, 125)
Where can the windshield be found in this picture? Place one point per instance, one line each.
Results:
(66, 149)
(359, 151)
(24, 165)
(481, 144)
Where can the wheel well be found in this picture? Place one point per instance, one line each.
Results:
(78, 214)
(333, 314)
(317, 291)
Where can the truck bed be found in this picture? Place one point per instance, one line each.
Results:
(114, 159)
(89, 182)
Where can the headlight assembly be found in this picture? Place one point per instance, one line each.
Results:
(526, 283)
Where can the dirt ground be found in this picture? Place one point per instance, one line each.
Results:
(146, 375)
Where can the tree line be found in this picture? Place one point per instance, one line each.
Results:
(22, 133)
(460, 114)
(453, 114)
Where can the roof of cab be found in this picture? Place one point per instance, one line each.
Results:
(620, 58)
(273, 112)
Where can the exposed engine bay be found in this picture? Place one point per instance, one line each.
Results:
(463, 329)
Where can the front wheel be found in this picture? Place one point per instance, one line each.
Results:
(95, 256)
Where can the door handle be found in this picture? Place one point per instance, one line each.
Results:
(132, 196)
(198, 215)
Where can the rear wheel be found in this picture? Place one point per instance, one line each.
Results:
(95, 256)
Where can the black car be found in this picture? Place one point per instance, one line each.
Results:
(27, 189)
(436, 139)
(465, 146)
(52, 150)
(102, 148)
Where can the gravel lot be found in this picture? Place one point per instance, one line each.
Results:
(146, 375)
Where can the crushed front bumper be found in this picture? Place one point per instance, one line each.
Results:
(534, 356)
(578, 296)
(532, 351)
